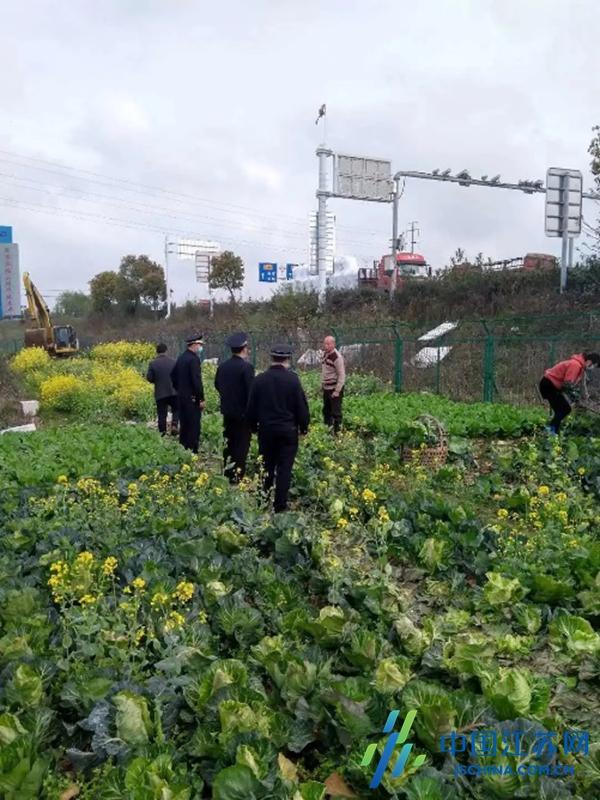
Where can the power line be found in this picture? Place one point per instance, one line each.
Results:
(145, 208)
(138, 187)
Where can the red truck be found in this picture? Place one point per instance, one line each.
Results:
(408, 266)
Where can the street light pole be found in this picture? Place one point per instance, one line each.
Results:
(395, 203)
(322, 194)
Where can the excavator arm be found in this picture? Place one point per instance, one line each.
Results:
(39, 313)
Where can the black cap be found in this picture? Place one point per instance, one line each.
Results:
(237, 340)
(280, 350)
(193, 338)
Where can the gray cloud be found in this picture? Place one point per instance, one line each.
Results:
(218, 103)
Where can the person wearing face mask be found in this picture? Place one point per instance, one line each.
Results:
(186, 378)
(565, 378)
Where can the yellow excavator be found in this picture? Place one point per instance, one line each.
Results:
(57, 340)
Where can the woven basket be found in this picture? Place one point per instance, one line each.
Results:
(432, 457)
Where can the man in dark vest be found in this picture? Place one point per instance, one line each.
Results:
(159, 374)
(233, 381)
(278, 410)
(186, 377)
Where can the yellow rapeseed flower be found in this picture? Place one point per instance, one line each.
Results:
(342, 522)
(502, 513)
(62, 479)
(87, 600)
(139, 584)
(581, 471)
(184, 591)
(139, 634)
(368, 495)
(543, 490)
(201, 479)
(202, 617)
(85, 559)
(159, 599)
(174, 621)
(109, 566)
(383, 515)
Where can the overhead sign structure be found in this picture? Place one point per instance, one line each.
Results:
(187, 248)
(564, 193)
(5, 234)
(359, 178)
(329, 243)
(10, 281)
(267, 272)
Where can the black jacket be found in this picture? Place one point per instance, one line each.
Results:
(233, 381)
(277, 402)
(187, 377)
(159, 373)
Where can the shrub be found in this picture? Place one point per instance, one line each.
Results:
(30, 358)
(63, 392)
(124, 352)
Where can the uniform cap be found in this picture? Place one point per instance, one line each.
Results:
(237, 340)
(193, 338)
(281, 350)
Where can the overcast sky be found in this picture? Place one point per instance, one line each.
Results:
(215, 104)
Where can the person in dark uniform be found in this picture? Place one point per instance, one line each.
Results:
(186, 377)
(278, 411)
(159, 374)
(233, 381)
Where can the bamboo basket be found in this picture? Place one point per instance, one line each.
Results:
(432, 457)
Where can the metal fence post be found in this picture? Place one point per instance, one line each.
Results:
(398, 359)
(488, 369)
(437, 373)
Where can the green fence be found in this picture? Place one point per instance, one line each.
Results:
(491, 360)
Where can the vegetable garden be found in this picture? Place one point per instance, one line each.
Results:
(163, 637)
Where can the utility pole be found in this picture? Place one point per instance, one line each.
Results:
(322, 194)
(413, 230)
(167, 284)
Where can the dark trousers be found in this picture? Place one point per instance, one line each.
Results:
(189, 423)
(163, 404)
(557, 401)
(332, 409)
(278, 449)
(236, 443)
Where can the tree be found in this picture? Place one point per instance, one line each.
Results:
(73, 304)
(104, 291)
(227, 272)
(139, 283)
(142, 282)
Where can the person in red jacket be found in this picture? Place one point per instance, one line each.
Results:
(565, 377)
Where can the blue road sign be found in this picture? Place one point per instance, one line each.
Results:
(267, 272)
(289, 271)
(5, 234)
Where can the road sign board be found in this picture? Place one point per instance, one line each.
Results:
(289, 271)
(564, 188)
(360, 178)
(267, 272)
(187, 248)
(5, 234)
(10, 281)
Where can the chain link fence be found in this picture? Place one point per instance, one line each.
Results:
(491, 360)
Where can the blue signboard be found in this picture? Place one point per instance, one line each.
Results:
(267, 272)
(289, 271)
(5, 234)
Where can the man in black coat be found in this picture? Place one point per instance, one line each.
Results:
(159, 373)
(233, 381)
(186, 377)
(278, 410)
